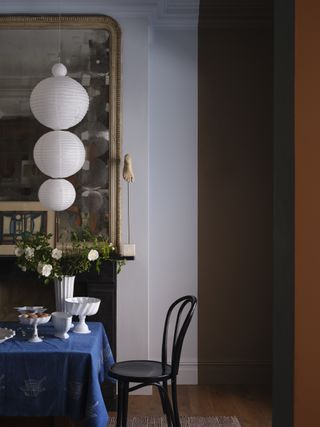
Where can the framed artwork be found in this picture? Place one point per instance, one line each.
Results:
(17, 218)
(91, 51)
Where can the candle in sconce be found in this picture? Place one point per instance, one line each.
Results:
(128, 250)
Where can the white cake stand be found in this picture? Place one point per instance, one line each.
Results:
(82, 307)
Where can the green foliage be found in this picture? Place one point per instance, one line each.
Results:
(84, 252)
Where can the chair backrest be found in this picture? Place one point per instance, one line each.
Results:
(185, 309)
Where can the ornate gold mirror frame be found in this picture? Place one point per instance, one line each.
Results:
(91, 51)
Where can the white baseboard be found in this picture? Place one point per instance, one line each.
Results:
(145, 391)
(221, 372)
(188, 373)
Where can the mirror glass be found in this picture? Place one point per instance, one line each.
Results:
(90, 51)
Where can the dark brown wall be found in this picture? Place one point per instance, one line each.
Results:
(307, 211)
(235, 201)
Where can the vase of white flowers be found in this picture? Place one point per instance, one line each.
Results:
(84, 252)
(63, 288)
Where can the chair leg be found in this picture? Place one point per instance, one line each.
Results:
(163, 401)
(166, 405)
(125, 404)
(175, 403)
(167, 400)
(119, 404)
(165, 387)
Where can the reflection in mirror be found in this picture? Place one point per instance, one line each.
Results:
(90, 51)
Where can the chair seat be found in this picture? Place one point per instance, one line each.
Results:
(140, 371)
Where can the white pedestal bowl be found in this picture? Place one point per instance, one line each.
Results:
(82, 307)
(34, 322)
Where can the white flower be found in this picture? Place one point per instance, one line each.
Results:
(18, 251)
(29, 252)
(56, 253)
(93, 255)
(46, 270)
(110, 244)
(22, 267)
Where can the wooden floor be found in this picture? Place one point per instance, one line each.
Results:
(251, 404)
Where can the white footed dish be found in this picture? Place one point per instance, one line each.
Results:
(82, 307)
(30, 309)
(34, 322)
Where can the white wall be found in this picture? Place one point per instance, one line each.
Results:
(160, 131)
(133, 280)
(173, 183)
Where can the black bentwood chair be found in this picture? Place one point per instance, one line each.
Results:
(149, 372)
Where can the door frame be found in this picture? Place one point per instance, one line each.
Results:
(284, 217)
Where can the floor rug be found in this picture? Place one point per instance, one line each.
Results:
(185, 422)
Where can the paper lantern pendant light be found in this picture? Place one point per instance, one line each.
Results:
(59, 102)
(57, 194)
(59, 154)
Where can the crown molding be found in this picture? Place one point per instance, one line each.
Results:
(159, 13)
(235, 13)
(177, 13)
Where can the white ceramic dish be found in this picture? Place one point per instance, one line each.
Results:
(82, 307)
(62, 323)
(31, 309)
(35, 322)
(6, 334)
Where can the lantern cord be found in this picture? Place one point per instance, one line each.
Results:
(59, 33)
(128, 213)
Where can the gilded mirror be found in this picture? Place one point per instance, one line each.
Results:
(90, 49)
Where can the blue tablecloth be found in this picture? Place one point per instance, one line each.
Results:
(55, 377)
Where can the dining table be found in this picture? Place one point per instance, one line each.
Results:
(55, 377)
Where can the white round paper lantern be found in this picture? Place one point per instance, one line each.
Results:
(59, 154)
(57, 194)
(59, 102)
